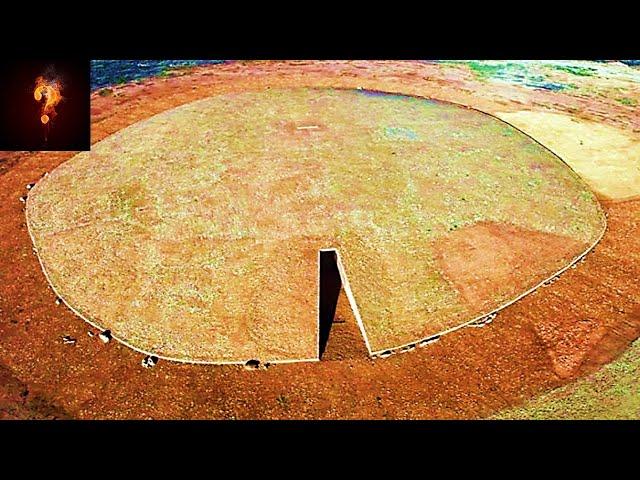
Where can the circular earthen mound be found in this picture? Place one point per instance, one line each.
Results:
(194, 235)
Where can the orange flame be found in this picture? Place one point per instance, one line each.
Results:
(50, 92)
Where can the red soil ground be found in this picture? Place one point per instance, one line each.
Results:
(558, 333)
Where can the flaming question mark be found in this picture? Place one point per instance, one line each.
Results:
(50, 92)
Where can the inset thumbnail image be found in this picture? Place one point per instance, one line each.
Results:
(44, 105)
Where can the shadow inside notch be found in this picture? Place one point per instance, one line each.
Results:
(330, 286)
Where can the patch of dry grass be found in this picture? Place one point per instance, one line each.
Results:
(194, 234)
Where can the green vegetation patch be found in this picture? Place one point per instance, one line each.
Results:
(575, 70)
(631, 102)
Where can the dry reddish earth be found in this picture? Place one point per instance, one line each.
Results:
(558, 333)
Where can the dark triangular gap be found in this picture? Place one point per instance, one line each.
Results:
(330, 286)
(340, 336)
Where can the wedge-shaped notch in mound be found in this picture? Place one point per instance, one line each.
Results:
(195, 235)
(332, 280)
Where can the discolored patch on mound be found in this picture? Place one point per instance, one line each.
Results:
(490, 263)
(194, 235)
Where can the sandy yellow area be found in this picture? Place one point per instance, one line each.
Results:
(608, 158)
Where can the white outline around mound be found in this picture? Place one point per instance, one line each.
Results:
(343, 276)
